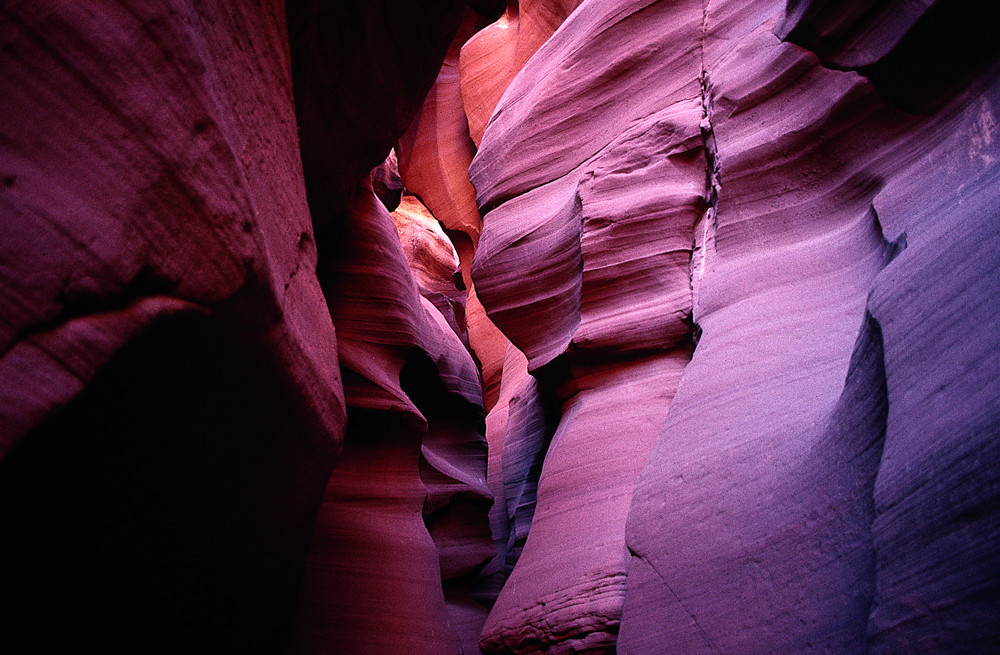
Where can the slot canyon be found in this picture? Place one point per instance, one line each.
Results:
(375, 327)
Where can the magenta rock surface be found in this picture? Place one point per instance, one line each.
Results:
(411, 490)
(780, 511)
(170, 402)
(612, 326)
(171, 398)
(599, 210)
(764, 520)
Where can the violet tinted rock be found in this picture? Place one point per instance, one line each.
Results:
(937, 588)
(571, 601)
(548, 219)
(918, 55)
(760, 488)
(600, 216)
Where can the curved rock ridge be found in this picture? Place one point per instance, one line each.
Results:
(918, 55)
(599, 210)
(492, 57)
(518, 155)
(170, 385)
(435, 153)
(172, 210)
(663, 326)
(849, 35)
(404, 522)
(769, 484)
(570, 600)
(432, 260)
(941, 370)
(435, 150)
(518, 429)
(429, 253)
(756, 193)
(547, 219)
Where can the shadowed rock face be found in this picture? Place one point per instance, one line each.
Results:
(170, 403)
(918, 55)
(171, 396)
(411, 488)
(664, 327)
(361, 72)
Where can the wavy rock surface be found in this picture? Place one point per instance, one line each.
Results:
(518, 429)
(936, 512)
(768, 519)
(403, 523)
(432, 260)
(604, 325)
(435, 153)
(492, 57)
(170, 385)
(774, 515)
(732, 302)
(411, 489)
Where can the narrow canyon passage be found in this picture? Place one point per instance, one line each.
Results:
(501, 327)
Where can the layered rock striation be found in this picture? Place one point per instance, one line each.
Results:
(634, 326)
(762, 521)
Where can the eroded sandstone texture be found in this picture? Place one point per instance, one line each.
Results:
(548, 326)
(672, 171)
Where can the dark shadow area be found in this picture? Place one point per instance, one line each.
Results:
(454, 512)
(168, 508)
(360, 72)
(947, 46)
(951, 45)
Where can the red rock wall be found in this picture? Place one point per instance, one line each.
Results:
(170, 403)
(171, 388)
(407, 506)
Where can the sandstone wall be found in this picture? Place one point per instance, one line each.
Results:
(641, 326)
(172, 393)
(666, 172)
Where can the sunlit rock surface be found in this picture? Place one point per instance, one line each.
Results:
(492, 57)
(766, 515)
